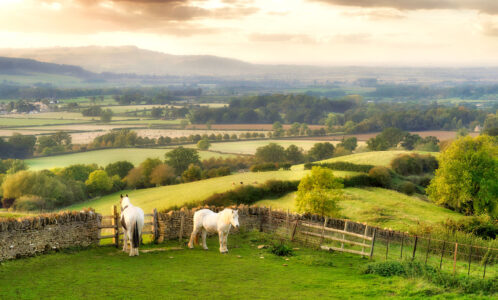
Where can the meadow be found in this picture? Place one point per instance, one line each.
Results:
(179, 273)
(104, 157)
(32, 121)
(379, 207)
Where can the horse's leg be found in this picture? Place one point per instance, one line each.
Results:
(131, 243)
(125, 239)
(225, 242)
(221, 238)
(193, 236)
(204, 234)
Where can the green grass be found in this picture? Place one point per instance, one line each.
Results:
(376, 158)
(6, 214)
(244, 273)
(104, 157)
(249, 147)
(17, 122)
(179, 194)
(380, 207)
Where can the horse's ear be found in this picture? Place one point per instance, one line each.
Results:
(121, 196)
(126, 195)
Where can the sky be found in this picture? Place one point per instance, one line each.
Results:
(313, 32)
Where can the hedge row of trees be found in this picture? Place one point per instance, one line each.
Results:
(392, 137)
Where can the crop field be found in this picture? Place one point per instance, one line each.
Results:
(379, 207)
(23, 122)
(249, 147)
(174, 272)
(144, 121)
(104, 157)
(180, 194)
(440, 134)
(265, 127)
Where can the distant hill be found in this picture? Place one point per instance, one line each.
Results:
(20, 67)
(129, 59)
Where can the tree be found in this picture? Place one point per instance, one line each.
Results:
(410, 140)
(294, 154)
(321, 151)
(319, 192)
(98, 183)
(78, 172)
(135, 178)
(193, 173)
(156, 112)
(120, 168)
(272, 152)
(331, 121)
(349, 144)
(106, 116)
(278, 129)
(381, 176)
(203, 144)
(183, 124)
(294, 129)
(389, 137)
(147, 166)
(180, 158)
(162, 175)
(467, 178)
(491, 125)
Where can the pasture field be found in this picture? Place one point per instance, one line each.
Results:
(246, 127)
(179, 273)
(23, 122)
(180, 194)
(143, 121)
(379, 207)
(104, 157)
(376, 158)
(249, 147)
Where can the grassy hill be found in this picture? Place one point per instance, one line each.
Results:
(104, 157)
(379, 207)
(376, 158)
(166, 196)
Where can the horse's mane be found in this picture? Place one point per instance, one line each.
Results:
(225, 215)
(125, 202)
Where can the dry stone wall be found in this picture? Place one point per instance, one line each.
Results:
(29, 236)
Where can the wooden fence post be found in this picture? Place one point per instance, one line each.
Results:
(428, 249)
(470, 259)
(294, 230)
(455, 258)
(156, 226)
(442, 254)
(115, 223)
(364, 234)
(323, 229)
(387, 245)
(373, 243)
(415, 248)
(182, 224)
(402, 244)
(485, 263)
(344, 236)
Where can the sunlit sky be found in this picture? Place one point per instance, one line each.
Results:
(318, 32)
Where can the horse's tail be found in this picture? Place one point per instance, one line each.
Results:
(135, 241)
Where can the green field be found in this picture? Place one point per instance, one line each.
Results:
(249, 147)
(376, 158)
(380, 207)
(244, 273)
(104, 157)
(18, 122)
(179, 194)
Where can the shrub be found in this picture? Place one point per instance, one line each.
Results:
(162, 175)
(408, 188)
(216, 172)
(386, 269)
(358, 180)
(264, 167)
(120, 168)
(279, 187)
(341, 166)
(414, 164)
(381, 176)
(282, 250)
(193, 173)
(29, 202)
(99, 183)
(482, 226)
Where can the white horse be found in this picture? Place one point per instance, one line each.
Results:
(206, 221)
(132, 220)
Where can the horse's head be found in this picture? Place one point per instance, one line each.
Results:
(124, 202)
(234, 219)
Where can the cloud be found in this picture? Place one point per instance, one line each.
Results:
(178, 17)
(490, 28)
(281, 37)
(375, 14)
(483, 6)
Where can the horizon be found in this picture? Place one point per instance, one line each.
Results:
(321, 33)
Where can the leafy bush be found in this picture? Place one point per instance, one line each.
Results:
(408, 188)
(193, 173)
(264, 167)
(414, 164)
(482, 226)
(120, 168)
(341, 166)
(99, 183)
(381, 176)
(358, 180)
(386, 269)
(29, 202)
(282, 250)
